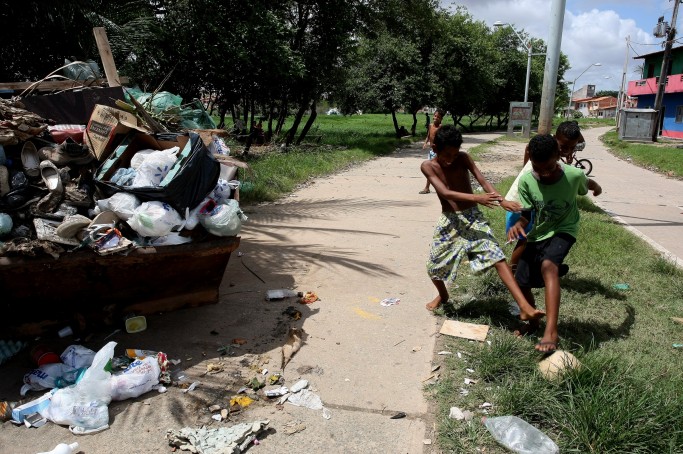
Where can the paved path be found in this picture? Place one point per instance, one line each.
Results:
(651, 205)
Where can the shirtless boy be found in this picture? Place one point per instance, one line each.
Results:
(462, 230)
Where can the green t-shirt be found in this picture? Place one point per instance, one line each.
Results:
(555, 204)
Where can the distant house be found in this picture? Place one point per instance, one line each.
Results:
(598, 107)
(645, 89)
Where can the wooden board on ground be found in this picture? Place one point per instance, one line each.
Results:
(678, 320)
(465, 330)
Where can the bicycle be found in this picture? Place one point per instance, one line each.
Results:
(583, 164)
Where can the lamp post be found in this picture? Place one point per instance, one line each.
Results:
(529, 54)
(571, 93)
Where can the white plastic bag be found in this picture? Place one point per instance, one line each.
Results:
(138, 378)
(154, 219)
(154, 167)
(171, 239)
(192, 217)
(47, 376)
(519, 436)
(138, 157)
(222, 219)
(123, 204)
(77, 356)
(85, 404)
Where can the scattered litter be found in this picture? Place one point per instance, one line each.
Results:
(233, 439)
(399, 342)
(621, 286)
(255, 384)
(242, 389)
(292, 345)
(678, 320)
(308, 298)
(175, 362)
(464, 391)
(293, 427)
(677, 345)
(306, 398)
(264, 371)
(113, 333)
(34, 420)
(417, 348)
(283, 399)
(224, 413)
(456, 413)
(488, 342)
(239, 403)
(326, 413)
(437, 367)
(216, 417)
(191, 387)
(427, 441)
(471, 371)
(399, 415)
(213, 368)
(464, 330)
(275, 379)
(298, 386)
(444, 352)
(470, 381)
(160, 388)
(239, 341)
(486, 405)
(459, 355)
(292, 312)
(513, 308)
(277, 392)
(386, 302)
(519, 436)
(214, 408)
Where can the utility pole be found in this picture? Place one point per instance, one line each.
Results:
(620, 98)
(664, 72)
(552, 61)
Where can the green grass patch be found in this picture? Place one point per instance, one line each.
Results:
(625, 397)
(664, 156)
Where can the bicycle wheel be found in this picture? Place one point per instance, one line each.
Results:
(585, 165)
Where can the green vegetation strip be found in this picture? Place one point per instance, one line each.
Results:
(664, 156)
(626, 395)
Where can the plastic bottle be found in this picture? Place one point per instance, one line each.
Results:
(63, 448)
(282, 293)
(519, 436)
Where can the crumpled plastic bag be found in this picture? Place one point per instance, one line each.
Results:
(154, 167)
(234, 439)
(85, 405)
(138, 378)
(77, 356)
(47, 376)
(155, 219)
(123, 204)
(222, 219)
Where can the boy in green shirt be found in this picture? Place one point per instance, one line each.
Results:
(550, 189)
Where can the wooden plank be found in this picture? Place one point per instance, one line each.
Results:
(465, 330)
(106, 57)
(50, 85)
(678, 320)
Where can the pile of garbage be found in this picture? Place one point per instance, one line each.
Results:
(109, 186)
(81, 385)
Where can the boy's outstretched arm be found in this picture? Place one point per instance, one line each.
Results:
(518, 230)
(488, 187)
(490, 199)
(595, 187)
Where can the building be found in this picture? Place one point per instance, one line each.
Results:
(587, 91)
(645, 89)
(598, 107)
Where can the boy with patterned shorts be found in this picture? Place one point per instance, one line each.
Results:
(462, 230)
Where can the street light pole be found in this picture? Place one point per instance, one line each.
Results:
(571, 93)
(529, 54)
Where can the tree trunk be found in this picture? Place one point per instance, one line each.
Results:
(309, 123)
(295, 125)
(284, 106)
(393, 117)
(414, 126)
(271, 110)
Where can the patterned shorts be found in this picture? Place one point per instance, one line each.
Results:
(458, 235)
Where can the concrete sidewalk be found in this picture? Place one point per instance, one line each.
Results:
(647, 203)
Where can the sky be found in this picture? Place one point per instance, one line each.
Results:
(594, 31)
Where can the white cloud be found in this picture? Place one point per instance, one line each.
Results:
(589, 36)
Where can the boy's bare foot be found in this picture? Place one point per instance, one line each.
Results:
(546, 346)
(532, 314)
(433, 304)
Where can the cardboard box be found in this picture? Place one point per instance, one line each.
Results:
(193, 175)
(107, 127)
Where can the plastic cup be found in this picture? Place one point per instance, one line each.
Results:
(41, 354)
(66, 331)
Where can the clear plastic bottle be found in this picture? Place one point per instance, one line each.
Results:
(63, 448)
(519, 436)
(282, 293)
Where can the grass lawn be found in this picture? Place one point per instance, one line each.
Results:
(664, 156)
(623, 399)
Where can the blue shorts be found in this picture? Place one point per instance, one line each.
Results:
(512, 218)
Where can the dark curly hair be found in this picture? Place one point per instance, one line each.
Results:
(447, 135)
(568, 129)
(543, 147)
